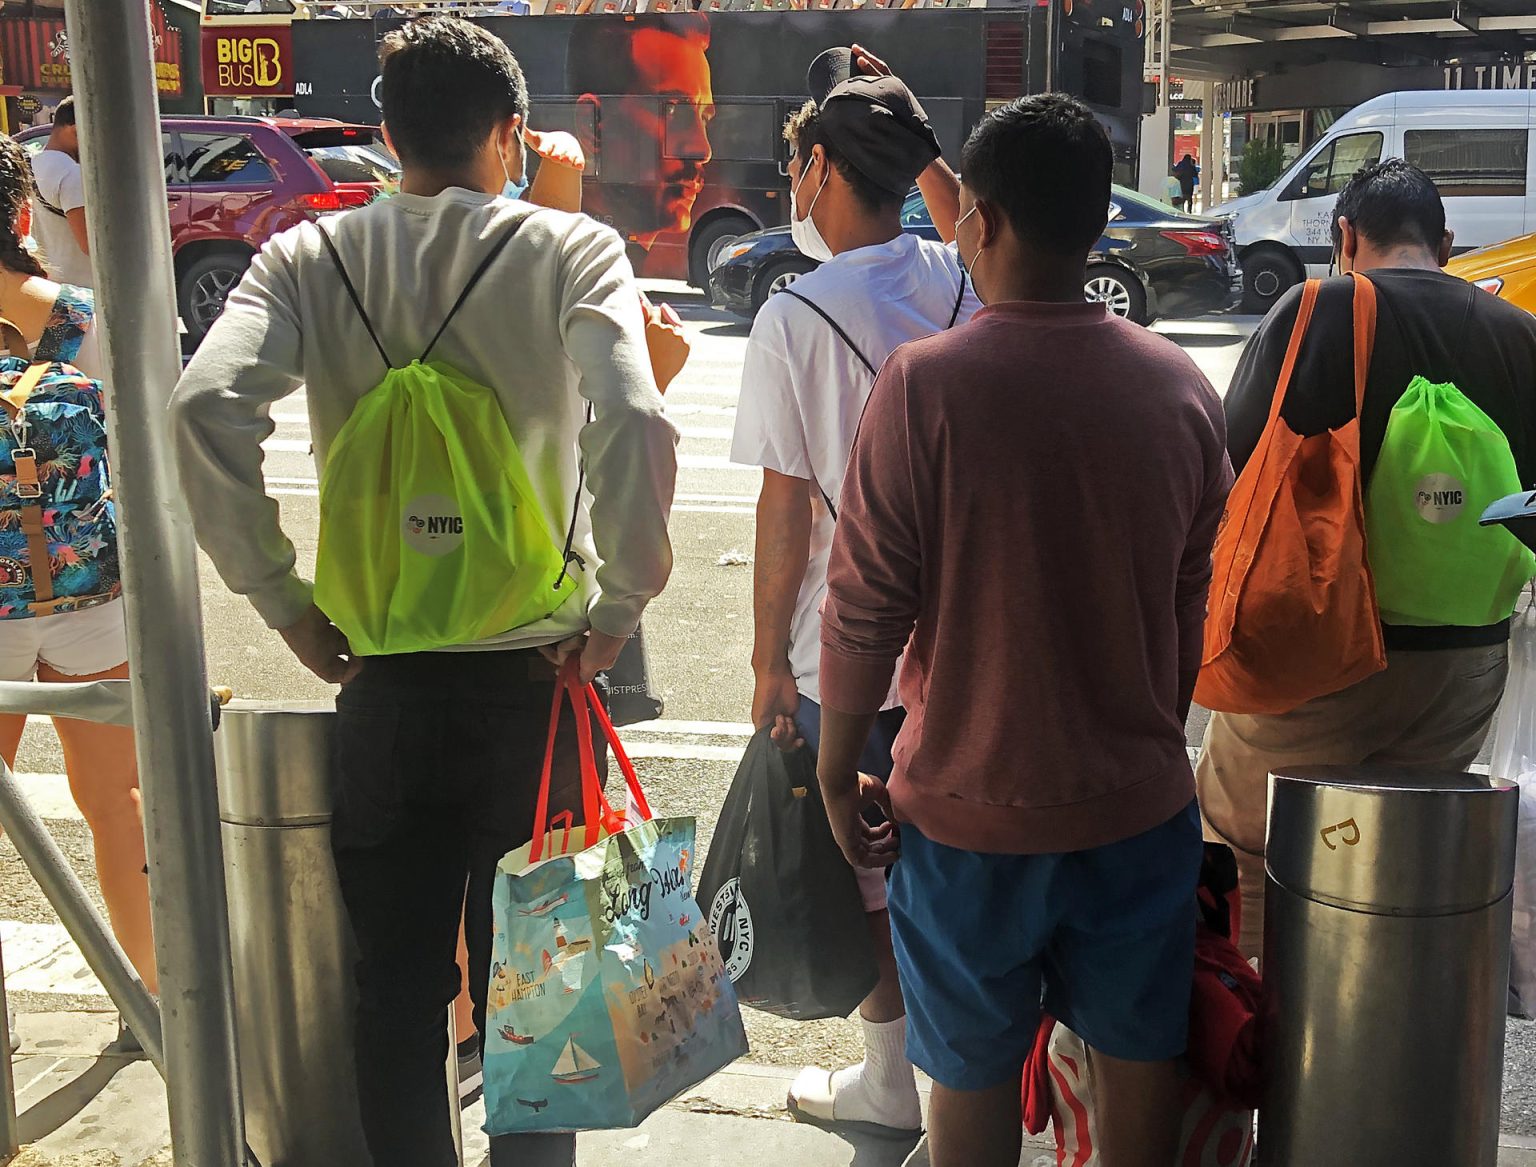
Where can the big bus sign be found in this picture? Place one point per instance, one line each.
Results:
(253, 61)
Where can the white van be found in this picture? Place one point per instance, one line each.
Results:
(1475, 145)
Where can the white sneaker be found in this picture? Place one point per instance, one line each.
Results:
(846, 1101)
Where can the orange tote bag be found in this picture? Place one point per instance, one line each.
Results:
(1292, 612)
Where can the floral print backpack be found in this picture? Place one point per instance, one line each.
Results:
(58, 530)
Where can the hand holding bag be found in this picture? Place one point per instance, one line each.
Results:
(607, 997)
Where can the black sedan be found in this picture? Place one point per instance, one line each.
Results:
(1151, 262)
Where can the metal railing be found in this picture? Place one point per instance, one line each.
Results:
(193, 1040)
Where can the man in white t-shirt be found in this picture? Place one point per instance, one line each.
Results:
(810, 364)
(59, 205)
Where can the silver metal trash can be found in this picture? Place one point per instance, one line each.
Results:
(289, 938)
(1386, 963)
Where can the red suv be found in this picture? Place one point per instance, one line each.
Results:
(234, 182)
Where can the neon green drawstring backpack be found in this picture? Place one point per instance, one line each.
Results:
(1442, 462)
(430, 533)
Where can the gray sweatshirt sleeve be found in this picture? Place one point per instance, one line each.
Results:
(220, 415)
(630, 448)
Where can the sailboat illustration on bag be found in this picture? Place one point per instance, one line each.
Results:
(574, 1064)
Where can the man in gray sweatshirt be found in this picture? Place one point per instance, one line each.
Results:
(439, 753)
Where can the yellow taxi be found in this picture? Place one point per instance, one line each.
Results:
(1507, 269)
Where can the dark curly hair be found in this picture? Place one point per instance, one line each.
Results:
(15, 192)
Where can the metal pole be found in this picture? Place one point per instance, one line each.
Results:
(131, 252)
(10, 1137)
(67, 894)
(1166, 35)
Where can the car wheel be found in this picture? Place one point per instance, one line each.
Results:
(709, 241)
(1267, 275)
(776, 277)
(1118, 290)
(204, 288)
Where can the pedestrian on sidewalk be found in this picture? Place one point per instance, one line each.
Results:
(88, 642)
(1029, 533)
(439, 753)
(858, 146)
(1433, 704)
(1187, 171)
(59, 202)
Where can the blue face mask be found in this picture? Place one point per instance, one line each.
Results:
(514, 189)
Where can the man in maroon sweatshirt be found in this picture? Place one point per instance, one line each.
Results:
(1031, 503)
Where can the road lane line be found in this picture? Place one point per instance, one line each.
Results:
(667, 727)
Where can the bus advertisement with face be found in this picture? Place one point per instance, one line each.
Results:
(682, 114)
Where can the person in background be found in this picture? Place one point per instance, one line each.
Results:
(58, 323)
(1030, 533)
(1435, 701)
(554, 326)
(857, 149)
(59, 201)
(1188, 173)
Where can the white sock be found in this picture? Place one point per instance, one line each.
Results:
(882, 1088)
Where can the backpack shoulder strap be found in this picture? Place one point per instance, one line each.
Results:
(836, 327)
(959, 300)
(490, 257)
(15, 341)
(1365, 335)
(357, 301)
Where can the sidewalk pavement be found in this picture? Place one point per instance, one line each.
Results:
(83, 1108)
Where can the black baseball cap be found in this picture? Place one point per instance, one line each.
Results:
(875, 122)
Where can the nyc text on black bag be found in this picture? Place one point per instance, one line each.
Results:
(783, 903)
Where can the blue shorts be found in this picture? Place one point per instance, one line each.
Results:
(1103, 940)
(876, 758)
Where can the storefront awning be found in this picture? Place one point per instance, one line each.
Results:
(1237, 38)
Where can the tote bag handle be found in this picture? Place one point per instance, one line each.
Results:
(597, 813)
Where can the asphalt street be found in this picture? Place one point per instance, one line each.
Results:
(699, 634)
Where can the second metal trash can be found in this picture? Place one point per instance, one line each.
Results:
(1386, 963)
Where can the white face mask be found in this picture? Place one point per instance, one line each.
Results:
(968, 268)
(804, 231)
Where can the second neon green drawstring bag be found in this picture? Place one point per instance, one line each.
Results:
(1442, 462)
(431, 535)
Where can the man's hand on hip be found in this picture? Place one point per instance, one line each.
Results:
(598, 651)
(321, 648)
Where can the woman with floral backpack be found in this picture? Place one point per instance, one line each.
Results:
(78, 634)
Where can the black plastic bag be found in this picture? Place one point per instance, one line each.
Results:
(783, 903)
(631, 695)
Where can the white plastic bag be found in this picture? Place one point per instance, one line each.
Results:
(1212, 1134)
(1514, 759)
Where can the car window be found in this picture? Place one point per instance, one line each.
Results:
(355, 164)
(1330, 171)
(1470, 162)
(914, 213)
(1135, 208)
(223, 159)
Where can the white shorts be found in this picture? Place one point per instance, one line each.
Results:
(78, 644)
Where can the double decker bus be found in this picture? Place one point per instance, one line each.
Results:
(681, 113)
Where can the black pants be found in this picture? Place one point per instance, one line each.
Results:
(438, 757)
